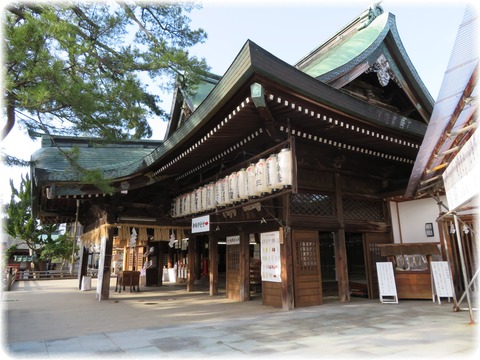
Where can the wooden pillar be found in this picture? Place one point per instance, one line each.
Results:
(103, 292)
(340, 246)
(244, 266)
(191, 263)
(286, 251)
(213, 263)
(160, 246)
(288, 299)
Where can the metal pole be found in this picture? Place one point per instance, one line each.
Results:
(445, 243)
(464, 269)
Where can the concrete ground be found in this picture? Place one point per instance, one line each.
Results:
(53, 319)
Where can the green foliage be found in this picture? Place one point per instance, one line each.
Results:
(75, 68)
(9, 253)
(19, 222)
(58, 249)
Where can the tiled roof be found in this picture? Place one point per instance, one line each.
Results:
(90, 153)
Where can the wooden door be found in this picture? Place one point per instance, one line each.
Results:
(372, 256)
(233, 272)
(306, 268)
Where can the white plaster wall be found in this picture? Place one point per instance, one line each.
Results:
(409, 218)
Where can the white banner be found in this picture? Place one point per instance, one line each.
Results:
(101, 263)
(201, 224)
(461, 176)
(270, 254)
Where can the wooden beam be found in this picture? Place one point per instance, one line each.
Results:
(286, 251)
(191, 263)
(244, 266)
(213, 263)
(342, 266)
(340, 246)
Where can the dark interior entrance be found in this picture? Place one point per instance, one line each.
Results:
(355, 263)
(327, 262)
(357, 274)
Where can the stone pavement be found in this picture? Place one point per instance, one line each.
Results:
(53, 319)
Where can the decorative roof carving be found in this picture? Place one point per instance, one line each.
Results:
(371, 14)
(384, 72)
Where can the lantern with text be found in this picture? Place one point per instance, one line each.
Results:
(285, 167)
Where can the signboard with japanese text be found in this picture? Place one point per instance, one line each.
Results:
(233, 240)
(386, 282)
(461, 176)
(201, 224)
(270, 256)
(442, 279)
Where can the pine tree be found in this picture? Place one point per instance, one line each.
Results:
(76, 68)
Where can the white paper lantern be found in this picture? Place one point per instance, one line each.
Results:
(188, 204)
(193, 202)
(203, 205)
(178, 206)
(226, 191)
(242, 184)
(219, 193)
(211, 196)
(198, 200)
(233, 187)
(285, 167)
(273, 182)
(251, 192)
(261, 187)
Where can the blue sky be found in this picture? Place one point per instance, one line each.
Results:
(291, 29)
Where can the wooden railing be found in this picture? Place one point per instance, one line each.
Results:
(43, 275)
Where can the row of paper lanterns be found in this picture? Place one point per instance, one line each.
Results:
(258, 179)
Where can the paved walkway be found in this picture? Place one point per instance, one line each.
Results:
(53, 319)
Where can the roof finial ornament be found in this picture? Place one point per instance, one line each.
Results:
(370, 14)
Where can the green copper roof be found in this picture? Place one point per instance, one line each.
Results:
(348, 50)
(204, 88)
(91, 154)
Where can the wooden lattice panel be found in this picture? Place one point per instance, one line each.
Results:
(312, 204)
(233, 253)
(306, 256)
(361, 209)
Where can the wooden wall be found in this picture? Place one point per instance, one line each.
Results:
(272, 293)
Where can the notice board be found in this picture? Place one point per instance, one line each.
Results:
(442, 279)
(386, 283)
(270, 255)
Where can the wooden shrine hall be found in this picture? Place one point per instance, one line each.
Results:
(279, 170)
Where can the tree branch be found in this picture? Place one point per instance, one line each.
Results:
(10, 119)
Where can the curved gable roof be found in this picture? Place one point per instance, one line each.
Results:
(341, 52)
(356, 48)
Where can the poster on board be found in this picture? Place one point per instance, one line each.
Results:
(386, 283)
(270, 255)
(441, 280)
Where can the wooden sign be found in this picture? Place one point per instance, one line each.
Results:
(441, 280)
(386, 283)
(233, 240)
